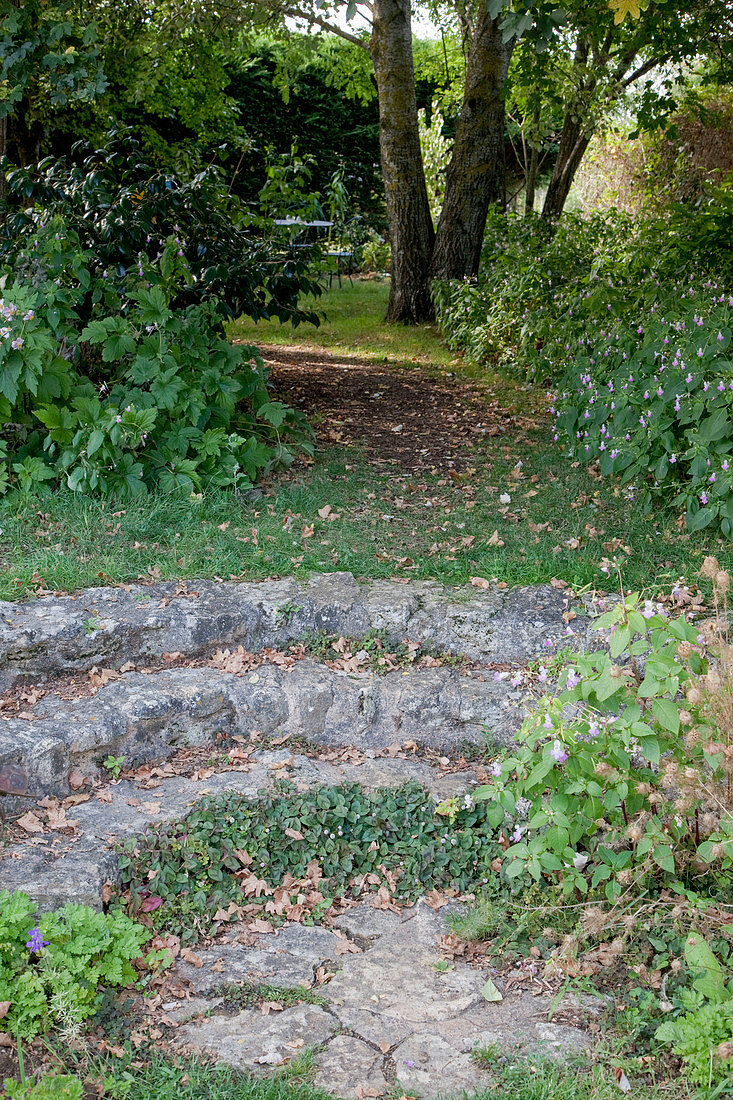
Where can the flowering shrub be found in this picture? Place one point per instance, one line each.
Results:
(635, 335)
(653, 402)
(625, 780)
(51, 967)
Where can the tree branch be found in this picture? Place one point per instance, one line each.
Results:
(317, 20)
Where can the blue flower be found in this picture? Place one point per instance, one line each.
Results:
(36, 942)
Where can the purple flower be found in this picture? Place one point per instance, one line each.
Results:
(36, 942)
(496, 770)
(572, 679)
(548, 722)
(517, 834)
(557, 752)
(517, 680)
(593, 729)
(542, 675)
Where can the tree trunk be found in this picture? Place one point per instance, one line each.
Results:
(26, 135)
(475, 176)
(410, 225)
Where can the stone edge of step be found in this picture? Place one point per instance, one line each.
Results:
(109, 626)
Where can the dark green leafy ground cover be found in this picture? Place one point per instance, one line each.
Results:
(231, 849)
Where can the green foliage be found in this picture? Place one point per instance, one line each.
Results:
(703, 1035)
(48, 60)
(636, 337)
(51, 973)
(121, 213)
(697, 1038)
(192, 865)
(148, 392)
(51, 1087)
(618, 794)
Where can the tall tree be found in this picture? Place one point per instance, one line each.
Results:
(607, 48)
(475, 175)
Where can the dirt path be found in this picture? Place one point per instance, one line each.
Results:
(405, 417)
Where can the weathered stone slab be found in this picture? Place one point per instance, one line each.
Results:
(145, 718)
(111, 626)
(401, 1020)
(285, 958)
(250, 1041)
(350, 1068)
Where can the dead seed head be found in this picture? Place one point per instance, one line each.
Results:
(710, 567)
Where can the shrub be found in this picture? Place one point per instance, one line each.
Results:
(628, 780)
(51, 967)
(621, 319)
(123, 213)
(146, 395)
(115, 373)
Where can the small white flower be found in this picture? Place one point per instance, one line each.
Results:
(505, 499)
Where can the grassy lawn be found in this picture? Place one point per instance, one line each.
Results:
(383, 522)
(353, 323)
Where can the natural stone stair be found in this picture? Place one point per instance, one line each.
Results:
(113, 626)
(147, 717)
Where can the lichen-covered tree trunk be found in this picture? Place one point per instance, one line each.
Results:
(475, 176)
(574, 141)
(410, 224)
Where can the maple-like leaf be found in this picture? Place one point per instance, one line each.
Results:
(622, 8)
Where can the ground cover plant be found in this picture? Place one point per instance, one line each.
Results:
(629, 324)
(291, 847)
(52, 966)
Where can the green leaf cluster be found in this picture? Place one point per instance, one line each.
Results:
(60, 983)
(192, 865)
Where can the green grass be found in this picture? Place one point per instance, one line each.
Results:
(192, 1079)
(195, 1080)
(353, 323)
(541, 1080)
(388, 523)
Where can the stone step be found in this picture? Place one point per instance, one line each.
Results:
(113, 626)
(54, 866)
(146, 718)
(396, 1015)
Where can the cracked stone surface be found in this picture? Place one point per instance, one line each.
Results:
(389, 1018)
(145, 718)
(251, 1041)
(54, 868)
(110, 626)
